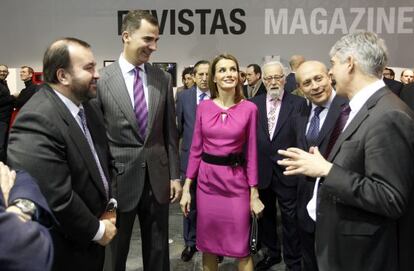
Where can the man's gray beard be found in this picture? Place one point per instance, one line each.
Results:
(274, 93)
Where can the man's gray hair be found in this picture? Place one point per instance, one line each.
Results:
(366, 47)
(274, 63)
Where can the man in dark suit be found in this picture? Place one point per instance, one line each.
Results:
(139, 111)
(255, 84)
(25, 242)
(313, 127)
(294, 63)
(275, 130)
(407, 95)
(187, 102)
(59, 138)
(365, 205)
(6, 108)
(26, 75)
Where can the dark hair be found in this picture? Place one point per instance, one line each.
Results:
(29, 68)
(212, 72)
(57, 57)
(256, 69)
(187, 70)
(198, 63)
(132, 21)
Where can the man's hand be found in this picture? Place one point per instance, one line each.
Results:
(110, 231)
(310, 163)
(22, 216)
(175, 190)
(7, 178)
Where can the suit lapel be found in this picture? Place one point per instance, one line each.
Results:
(261, 100)
(303, 121)
(192, 102)
(356, 121)
(284, 113)
(330, 120)
(154, 95)
(79, 140)
(116, 85)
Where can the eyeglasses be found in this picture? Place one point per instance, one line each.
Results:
(274, 77)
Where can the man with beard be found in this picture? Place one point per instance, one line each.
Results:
(137, 101)
(59, 138)
(275, 128)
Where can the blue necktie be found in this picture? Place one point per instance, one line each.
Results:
(88, 136)
(313, 131)
(202, 96)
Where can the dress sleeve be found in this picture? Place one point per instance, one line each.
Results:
(196, 146)
(251, 148)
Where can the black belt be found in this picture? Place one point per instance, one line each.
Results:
(233, 159)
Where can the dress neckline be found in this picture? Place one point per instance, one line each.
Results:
(226, 109)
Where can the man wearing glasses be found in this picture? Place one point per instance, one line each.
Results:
(275, 129)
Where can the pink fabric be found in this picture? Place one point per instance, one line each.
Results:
(223, 192)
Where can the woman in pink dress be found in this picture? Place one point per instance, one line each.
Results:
(223, 158)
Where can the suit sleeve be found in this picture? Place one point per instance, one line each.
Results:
(179, 111)
(170, 129)
(37, 146)
(196, 149)
(251, 149)
(23, 243)
(377, 174)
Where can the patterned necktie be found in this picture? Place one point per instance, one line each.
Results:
(271, 116)
(140, 104)
(339, 126)
(313, 130)
(88, 136)
(202, 96)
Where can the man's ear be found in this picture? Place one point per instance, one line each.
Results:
(63, 77)
(351, 61)
(125, 36)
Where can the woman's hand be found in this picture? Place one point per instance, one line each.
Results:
(186, 198)
(256, 205)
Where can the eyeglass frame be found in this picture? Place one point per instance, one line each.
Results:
(274, 77)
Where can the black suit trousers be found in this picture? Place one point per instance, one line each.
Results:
(286, 198)
(153, 219)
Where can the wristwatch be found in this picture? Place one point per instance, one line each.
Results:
(26, 206)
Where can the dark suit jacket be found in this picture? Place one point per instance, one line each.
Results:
(366, 205)
(260, 91)
(24, 246)
(158, 152)
(407, 95)
(290, 82)
(306, 184)
(47, 142)
(6, 102)
(393, 85)
(186, 111)
(283, 138)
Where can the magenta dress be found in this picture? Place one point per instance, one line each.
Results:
(223, 192)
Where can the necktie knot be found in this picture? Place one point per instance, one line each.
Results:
(202, 96)
(318, 110)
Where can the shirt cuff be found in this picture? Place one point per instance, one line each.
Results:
(100, 233)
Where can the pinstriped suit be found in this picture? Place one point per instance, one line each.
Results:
(145, 166)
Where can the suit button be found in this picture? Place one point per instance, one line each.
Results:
(143, 164)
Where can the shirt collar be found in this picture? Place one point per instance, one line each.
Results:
(73, 108)
(127, 67)
(364, 94)
(328, 102)
(199, 92)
